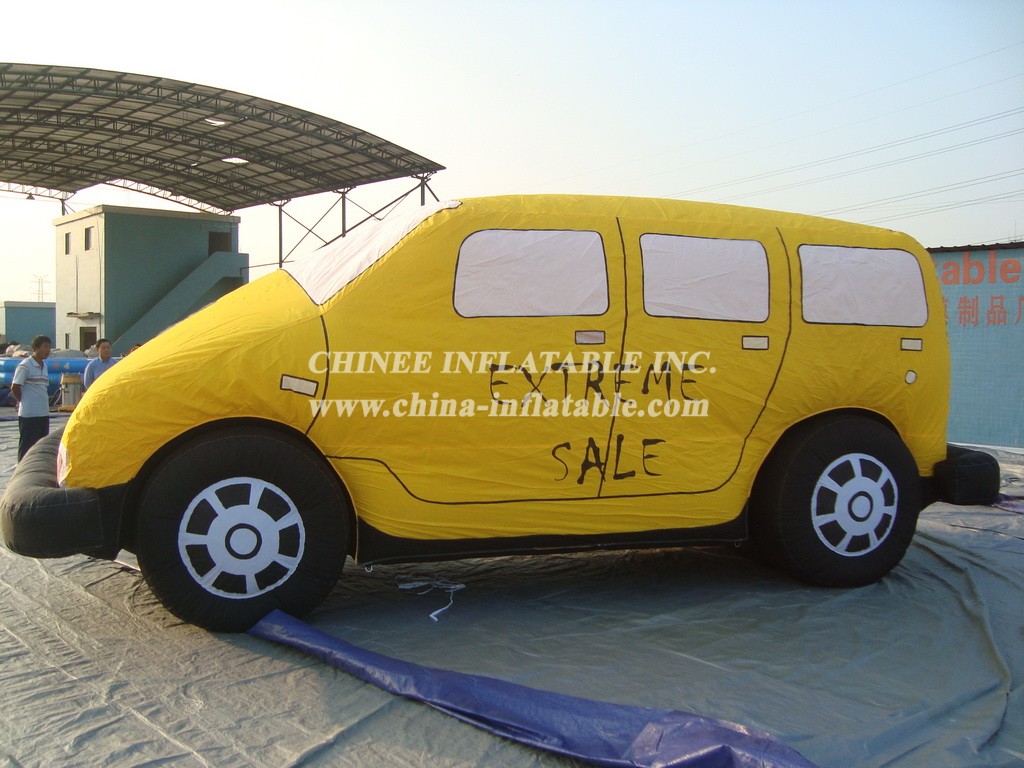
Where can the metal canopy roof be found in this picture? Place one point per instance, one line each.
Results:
(63, 129)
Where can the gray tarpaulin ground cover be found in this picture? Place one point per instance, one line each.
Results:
(922, 669)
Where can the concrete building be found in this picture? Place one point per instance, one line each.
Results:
(21, 320)
(128, 273)
(983, 290)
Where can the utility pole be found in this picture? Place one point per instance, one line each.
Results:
(41, 282)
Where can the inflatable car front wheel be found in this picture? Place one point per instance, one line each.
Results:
(239, 522)
(836, 503)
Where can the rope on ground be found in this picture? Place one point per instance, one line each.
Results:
(429, 585)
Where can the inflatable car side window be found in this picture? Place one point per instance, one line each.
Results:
(519, 374)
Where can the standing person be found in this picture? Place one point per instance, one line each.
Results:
(98, 366)
(29, 390)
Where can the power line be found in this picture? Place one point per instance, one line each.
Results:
(803, 137)
(1002, 239)
(814, 109)
(857, 153)
(876, 166)
(1019, 193)
(918, 77)
(922, 193)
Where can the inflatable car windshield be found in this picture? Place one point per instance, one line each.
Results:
(519, 374)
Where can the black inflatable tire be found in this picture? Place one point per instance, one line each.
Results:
(837, 501)
(256, 515)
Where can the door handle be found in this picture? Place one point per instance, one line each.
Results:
(590, 337)
(298, 384)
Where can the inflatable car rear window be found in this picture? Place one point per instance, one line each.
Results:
(519, 374)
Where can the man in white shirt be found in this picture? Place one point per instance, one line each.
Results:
(99, 365)
(29, 388)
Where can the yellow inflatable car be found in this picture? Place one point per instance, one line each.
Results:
(518, 374)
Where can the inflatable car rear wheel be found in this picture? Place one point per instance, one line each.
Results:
(238, 522)
(836, 503)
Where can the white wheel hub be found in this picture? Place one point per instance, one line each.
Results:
(241, 537)
(854, 504)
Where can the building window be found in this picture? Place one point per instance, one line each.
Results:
(67, 242)
(219, 241)
(87, 336)
(88, 238)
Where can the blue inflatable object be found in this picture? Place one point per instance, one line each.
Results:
(55, 367)
(598, 732)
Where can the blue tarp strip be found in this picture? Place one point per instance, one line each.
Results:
(1010, 503)
(598, 732)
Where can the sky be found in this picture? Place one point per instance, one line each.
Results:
(908, 115)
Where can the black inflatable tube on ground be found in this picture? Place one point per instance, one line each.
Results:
(38, 518)
(967, 477)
